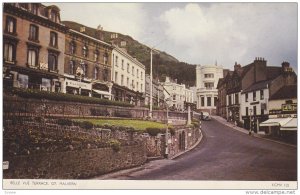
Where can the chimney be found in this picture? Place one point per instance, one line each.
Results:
(237, 67)
(82, 29)
(99, 33)
(285, 65)
(260, 69)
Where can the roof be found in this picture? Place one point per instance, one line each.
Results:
(273, 72)
(285, 92)
(257, 86)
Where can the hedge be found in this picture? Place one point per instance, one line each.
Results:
(36, 94)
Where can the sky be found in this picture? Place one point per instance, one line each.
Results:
(200, 33)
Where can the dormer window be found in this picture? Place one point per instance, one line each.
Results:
(33, 8)
(53, 16)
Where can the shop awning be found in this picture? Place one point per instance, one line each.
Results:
(290, 126)
(102, 92)
(275, 122)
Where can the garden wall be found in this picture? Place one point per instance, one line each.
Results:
(32, 107)
(48, 150)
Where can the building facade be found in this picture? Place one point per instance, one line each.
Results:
(157, 92)
(33, 46)
(207, 78)
(87, 67)
(177, 94)
(128, 76)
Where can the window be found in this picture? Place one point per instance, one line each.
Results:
(122, 80)
(262, 111)
(85, 70)
(247, 111)
(10, 25)
(46, 84)
(202, 101)
(141, 87)
(116, 61)
(23, 81)
(72, 67)
(105, 58)
(132, 70)
(122, 64)
(96, 55)
(209, 85)
(261, 94)
(137, 85)
(137, 73)
(33, 33)
(53, 16)
(141, 75)
(246, 97)
(52, 61)
(229, 99)
(132, 83)
(9, 52)
(32, 57)
(33, 7)
(236, 98)
(208, 75)
(128, 67)
(174, 97)
(254, 96)
(215, 101)
(254, 110)
(96, 71)
(53, 39)
(116, 77)
(208, 101)
(72, 47)
(105, 74)
(127, 82)
(84, 51)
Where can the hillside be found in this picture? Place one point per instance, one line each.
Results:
(163, 63)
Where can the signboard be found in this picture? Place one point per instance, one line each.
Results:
(289, 107)
(5, 165)
(77, 84)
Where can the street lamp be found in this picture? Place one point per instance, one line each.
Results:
(250, 130)
(151, 78)
(167, 128)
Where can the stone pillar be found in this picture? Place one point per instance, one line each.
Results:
(109, 85)
(189, 121)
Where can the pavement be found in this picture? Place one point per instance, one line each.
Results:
(266, 137)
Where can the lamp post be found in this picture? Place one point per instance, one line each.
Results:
(250, 130)
(167, 129)
(150, 112)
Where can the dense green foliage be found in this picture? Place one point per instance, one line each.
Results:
(36, 94)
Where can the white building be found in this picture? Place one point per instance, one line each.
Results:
(207, 78)
(178, 94)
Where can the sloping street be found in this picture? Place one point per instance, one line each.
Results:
(224, 154)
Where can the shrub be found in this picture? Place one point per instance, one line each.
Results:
(86, 125)
(36, 94)
(65, 122)
(114, 144)
(153, 131)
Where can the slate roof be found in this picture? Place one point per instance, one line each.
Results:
(286, 92)
(257, 86)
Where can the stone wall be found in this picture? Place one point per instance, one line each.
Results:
(74, 164)
(32, 107)
(84, 159)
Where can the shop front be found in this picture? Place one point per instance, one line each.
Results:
(75, 87)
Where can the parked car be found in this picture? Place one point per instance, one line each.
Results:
(206, 116)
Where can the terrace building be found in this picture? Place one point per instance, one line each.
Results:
(33, 46)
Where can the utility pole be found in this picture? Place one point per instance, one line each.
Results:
(150, 112)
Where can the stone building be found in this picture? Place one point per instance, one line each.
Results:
(33, 46)
(87, 67)
(222, 91)
(157, 92)
(207, 78)
(128, 76)
(177, 94)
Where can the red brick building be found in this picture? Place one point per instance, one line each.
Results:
(33, 46)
